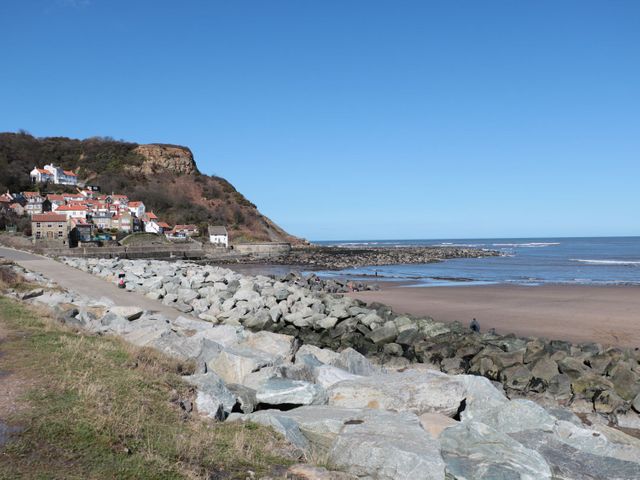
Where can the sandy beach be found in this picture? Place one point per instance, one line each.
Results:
(610, 315)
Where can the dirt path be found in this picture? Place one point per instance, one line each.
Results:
(84, 283)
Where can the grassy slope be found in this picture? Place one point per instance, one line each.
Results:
(100, 408)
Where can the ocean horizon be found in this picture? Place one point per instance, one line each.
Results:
(522, 261)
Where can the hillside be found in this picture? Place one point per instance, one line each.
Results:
(164, 177)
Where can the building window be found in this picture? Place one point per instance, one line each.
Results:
(38, 225)
(37, 234)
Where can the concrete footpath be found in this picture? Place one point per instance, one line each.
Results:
(84, 283)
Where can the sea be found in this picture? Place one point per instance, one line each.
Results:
(522, 261)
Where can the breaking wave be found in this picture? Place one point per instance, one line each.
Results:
(527, 245)
(607, 262)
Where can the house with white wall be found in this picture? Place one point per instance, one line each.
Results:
(53, 174)
(137, 208)
(218, 236)
(33, 202)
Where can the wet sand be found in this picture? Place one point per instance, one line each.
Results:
(609, 315)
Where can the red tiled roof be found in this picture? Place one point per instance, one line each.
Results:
(31, 194)
(151, 216)
(48, 217)
(71, 208)
(69, 173)
(55, 197)
(185, 227)
(135, 204)
(164, 225)
(46, 172)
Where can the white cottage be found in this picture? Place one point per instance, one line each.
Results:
(51, 173)
(218, 236)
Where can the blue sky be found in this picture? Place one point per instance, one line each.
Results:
(347, 119)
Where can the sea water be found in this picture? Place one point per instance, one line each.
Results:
(522, 261)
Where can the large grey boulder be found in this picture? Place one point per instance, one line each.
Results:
(524, 420)
(225, 335)
(145, 336)
(233, 364)
(367, 443)
(326, 375)
(190, 324)
(276, 344)
(186, 295)
(213, 398)
(479, 395)
(178, 346)
(513, 416)
(414, 391)
(387, 446)
(384, 334)
(570, 463)
(354, 362)
(475, 451)
(324, 355)
(278, 391)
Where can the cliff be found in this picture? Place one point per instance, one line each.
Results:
(160, 158)
(165, 177)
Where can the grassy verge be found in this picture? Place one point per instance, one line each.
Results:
(138, 239)
(98, 408)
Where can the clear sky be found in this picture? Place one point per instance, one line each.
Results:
(347, 119)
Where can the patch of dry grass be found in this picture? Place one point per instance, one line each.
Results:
(105, 409)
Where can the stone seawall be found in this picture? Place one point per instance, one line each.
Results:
(267, 249)
(369, 421)
(588, 378)
(182, 250)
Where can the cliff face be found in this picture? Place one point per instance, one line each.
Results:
(165, 158)
(165, 177)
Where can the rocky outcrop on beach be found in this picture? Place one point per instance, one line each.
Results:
(338, 258)
(588, 378)
(370, 421)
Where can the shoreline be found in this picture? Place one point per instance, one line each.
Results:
(578, 313)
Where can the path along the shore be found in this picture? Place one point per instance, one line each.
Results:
(609, 315)
(84, 283)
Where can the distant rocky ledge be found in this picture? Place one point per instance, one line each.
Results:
(338, 258)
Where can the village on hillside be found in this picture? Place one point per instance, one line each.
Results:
(88, 217)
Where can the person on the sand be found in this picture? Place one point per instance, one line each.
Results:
(474, 326)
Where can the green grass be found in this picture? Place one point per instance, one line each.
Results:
(98, 408)
(136, 239)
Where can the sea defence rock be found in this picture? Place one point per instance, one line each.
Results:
(587, 377)
(414, 391)
(474, 450)
(366, 443)
(378, 423)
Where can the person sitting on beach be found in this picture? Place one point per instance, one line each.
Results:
(474, 326)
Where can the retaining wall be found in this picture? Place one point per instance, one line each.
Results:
(263, 249)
